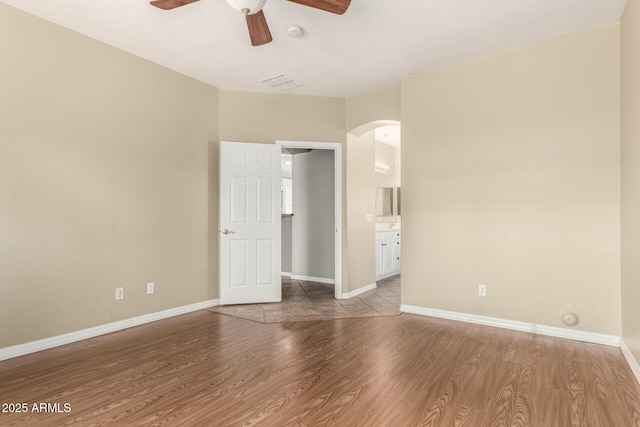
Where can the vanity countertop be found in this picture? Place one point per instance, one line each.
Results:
(387, 226)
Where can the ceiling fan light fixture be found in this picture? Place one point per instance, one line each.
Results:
(259, 32)
(252, 6)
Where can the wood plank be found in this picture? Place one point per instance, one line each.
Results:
(206, 368)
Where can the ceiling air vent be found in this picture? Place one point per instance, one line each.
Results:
(281, 82)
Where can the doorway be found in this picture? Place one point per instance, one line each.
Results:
(337, 196)
(250, 220)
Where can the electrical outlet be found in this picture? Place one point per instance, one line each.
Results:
(151, 288)
(482, 290)
(119, 294)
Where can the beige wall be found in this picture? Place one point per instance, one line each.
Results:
(630, 137)
(361, 201)
(259, 117)
(103, 182)
(363, 109)
(363, 114)
(510, 170)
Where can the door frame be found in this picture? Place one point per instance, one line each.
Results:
(337, 159)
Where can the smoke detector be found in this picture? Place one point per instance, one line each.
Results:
(295, 31)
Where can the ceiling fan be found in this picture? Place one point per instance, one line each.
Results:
(252, 10)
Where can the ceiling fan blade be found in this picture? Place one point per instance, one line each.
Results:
(170, 4)
(333, 6)
(258, 29)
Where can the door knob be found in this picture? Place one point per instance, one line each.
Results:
(227, 231)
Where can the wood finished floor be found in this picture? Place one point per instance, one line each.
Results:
(208, 369)
(302, 301)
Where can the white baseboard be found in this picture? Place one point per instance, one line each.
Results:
(359, 291)
(553, 331)
(384, 276)
(285, 273)
(313, 279)
(47, 343)
(631, 360)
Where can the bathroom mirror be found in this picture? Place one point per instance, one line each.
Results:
(384, 201)
(388, 204)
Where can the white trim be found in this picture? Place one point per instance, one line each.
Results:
(313, 279)
(337, 148)
(553, 331)
(359, 291)
(47, 343)
(285, 273)
(392, 273)
(633, 363)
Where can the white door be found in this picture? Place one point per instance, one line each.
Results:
(249, 223)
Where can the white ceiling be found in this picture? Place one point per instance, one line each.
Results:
(372, 46)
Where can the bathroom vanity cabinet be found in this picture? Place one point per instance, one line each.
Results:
(387, 253)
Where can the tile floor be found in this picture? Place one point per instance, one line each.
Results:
(315, 301)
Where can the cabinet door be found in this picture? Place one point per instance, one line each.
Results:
(396, 255)
(379, 259)
(387, 256)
